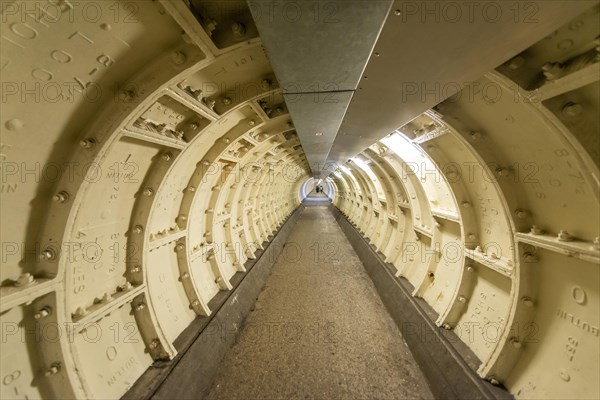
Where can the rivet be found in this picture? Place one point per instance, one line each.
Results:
(154, 344)
(226, 100)
(148, 191)
(49, 254)
(87, 143)
(178, 57)
(265, 84)
(515, 343)
(494, 381)
(527, 301)
(535, 230)
(239, 30)
(572, 109)
(515, 63)
(79, 312)
(53, 369)
(138, 229)
(61, 197)
(521, 214)
(14, 124)
(43, 313)
(462, 299)
(140, 307)
(397, 12)
(166, 156)
(564, 236)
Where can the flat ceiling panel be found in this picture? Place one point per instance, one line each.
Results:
(314, 113)
(319, 46)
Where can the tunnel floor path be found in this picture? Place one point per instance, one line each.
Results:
(319, 329)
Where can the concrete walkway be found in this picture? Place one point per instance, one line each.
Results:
(319, 329)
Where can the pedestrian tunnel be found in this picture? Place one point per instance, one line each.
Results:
(158, 157)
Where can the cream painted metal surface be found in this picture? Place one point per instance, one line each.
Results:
(488, 206)
(141, 167)
(139, 172)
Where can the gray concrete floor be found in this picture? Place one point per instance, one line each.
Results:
(319, 329)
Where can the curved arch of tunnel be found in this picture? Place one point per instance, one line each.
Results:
(169, 183)
(310, 184)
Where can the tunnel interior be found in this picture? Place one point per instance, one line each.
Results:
(151, 156)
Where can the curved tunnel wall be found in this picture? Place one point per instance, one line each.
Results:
(142, 166)
(140, 172)
(478, 204)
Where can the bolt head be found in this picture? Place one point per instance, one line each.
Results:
(87, 143)
(53, 370)
(535, 230)
(43, 313)
(564, 236)
(527, 301)
(48, 254)
(178, 57)
(61, 197)
(572, 109)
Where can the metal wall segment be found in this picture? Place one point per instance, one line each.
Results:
(491, 213)
(156, 172)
